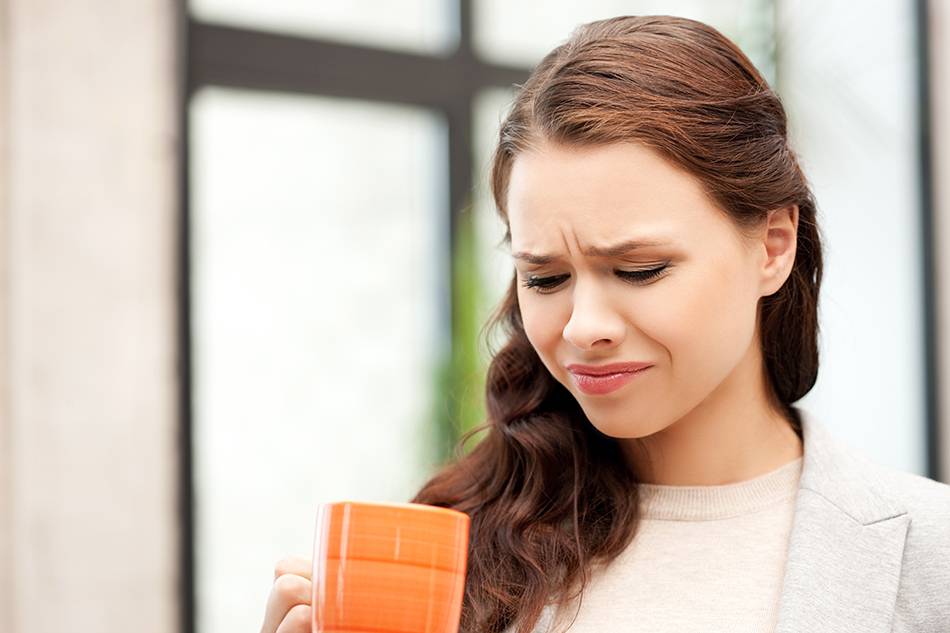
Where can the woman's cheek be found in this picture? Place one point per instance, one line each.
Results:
(681, 322)
(540, 326)
(704, 326)
(675, 316)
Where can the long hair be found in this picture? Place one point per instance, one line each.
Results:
(548, 495)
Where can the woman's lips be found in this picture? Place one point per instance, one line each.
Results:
(605, 383)
(611, 368)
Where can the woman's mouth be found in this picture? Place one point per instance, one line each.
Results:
(606, 383)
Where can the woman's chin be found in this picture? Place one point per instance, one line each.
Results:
(630, 427)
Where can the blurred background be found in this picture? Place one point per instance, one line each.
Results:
(248, 250)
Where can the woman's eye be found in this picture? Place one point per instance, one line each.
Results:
(643, 275)
(543, 285)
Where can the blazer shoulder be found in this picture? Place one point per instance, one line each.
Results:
(923, 601)
(926, 500)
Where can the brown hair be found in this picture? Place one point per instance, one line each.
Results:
(548, 494)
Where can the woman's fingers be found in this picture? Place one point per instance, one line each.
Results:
(293, 565)
(289, 591)
(288, 596)
(297, 620)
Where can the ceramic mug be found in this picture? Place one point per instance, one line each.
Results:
(388, 568)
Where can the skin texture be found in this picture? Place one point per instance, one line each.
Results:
(700, 415)
(288, 605)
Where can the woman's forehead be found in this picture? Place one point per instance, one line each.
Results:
(606, 185)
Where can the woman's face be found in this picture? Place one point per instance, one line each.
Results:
(684, 301)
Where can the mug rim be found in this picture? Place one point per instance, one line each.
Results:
(392, 504)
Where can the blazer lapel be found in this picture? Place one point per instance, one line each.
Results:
(846, 544)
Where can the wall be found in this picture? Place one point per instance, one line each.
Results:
(88, 419)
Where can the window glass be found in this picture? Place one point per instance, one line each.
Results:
(319, 310)
(500, 36)
(424, 26)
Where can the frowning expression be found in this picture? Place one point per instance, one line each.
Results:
(622, 257)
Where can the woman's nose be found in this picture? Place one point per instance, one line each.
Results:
(593, 320)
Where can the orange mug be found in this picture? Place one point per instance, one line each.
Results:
(388, 568)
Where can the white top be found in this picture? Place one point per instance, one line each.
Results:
(705, 558)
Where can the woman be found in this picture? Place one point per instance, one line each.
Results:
(645, 467)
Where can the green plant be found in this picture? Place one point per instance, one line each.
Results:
(460, 377)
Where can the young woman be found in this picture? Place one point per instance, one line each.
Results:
(645, 468)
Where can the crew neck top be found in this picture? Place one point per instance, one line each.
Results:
(704, 558)
(709, 503)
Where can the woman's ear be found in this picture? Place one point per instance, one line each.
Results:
(780, 240)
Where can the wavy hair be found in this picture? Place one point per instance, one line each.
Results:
(548, 495)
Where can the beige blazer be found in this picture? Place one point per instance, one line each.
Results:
(869, 550)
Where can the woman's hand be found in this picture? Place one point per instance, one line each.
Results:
(288, 606)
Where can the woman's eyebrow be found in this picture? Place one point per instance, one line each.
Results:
(595, 251)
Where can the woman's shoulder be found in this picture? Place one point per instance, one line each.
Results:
(897, 536)
(928, 505)
(925, 500)
(923, 599)
(920, 490)
(866, 488)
